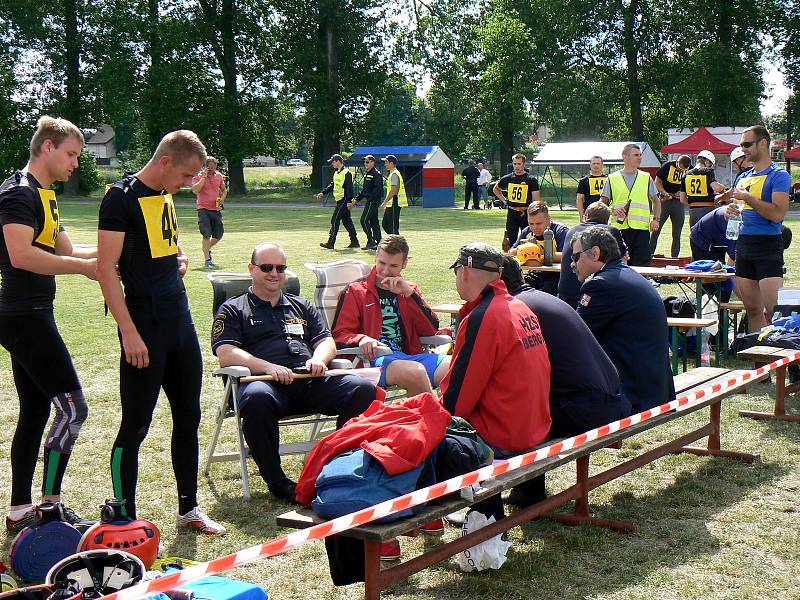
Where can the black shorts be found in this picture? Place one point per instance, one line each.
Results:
(759, 256)
(210, 223)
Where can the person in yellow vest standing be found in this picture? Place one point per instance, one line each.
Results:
(395, 196)
(634, 203)
(590, 186)
(341, 186)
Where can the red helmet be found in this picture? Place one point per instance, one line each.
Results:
(139, 537)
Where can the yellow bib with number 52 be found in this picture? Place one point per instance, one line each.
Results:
(162, 224)
(50, 225)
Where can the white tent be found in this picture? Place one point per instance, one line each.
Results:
(579, 153)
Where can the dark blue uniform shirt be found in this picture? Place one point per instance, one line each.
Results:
(627, 317)
(265, 331)
(709, 233)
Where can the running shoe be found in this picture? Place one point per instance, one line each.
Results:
(200, 522)
(17, 525)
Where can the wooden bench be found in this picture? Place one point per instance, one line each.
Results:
(679, 327)
(373, 535)
(761, 355)
(728, 312)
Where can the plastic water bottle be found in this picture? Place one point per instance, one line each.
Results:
(734, 226)
(705, 356)
(548, 247)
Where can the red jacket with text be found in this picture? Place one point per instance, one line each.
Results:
(359, 314)
(400, 436)
(499, 377)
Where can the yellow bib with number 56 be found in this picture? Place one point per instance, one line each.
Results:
(50, 225)
(162, 224)
(517, 193)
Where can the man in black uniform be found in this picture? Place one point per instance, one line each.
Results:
(138, 233)
(372, 192)
(700, 186)
(275, 334)
(341, 186)
(590, 186)
(668, 183)
(516, 190)
(33, 249)
(470, 176)
(626, 316)
(598, 213)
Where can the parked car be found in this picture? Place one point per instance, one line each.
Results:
(296, 162)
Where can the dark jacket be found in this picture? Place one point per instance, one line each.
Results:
(372, 188)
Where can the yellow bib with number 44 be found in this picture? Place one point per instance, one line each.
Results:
(51, 224)
(161, 223)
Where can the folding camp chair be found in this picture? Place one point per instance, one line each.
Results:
(228, 285)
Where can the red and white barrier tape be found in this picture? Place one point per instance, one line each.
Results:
(367, 515)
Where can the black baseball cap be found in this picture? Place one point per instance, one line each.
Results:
(336, 157)
(391, 158)
(478, 255)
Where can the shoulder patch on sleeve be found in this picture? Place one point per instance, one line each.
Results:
(585, 300)
(219, 326)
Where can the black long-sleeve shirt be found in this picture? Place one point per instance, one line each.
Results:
(372, 189)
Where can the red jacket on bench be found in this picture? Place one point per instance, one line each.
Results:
(358, 314)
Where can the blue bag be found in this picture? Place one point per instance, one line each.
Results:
(354, 480)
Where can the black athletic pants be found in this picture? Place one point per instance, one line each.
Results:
(391, 218)
(263, 403)
(675, 212)
(341, 215)
(515, 222)
(638, 242)
(176, 365)
(475, 192)
(43, 375)
(370, 222)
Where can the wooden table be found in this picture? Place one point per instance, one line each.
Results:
(452, 309)
(679, 326)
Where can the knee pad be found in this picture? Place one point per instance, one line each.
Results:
(71, 412)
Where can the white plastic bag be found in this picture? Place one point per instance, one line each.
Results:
(711, 311)
(490, 554)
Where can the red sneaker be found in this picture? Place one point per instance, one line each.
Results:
(390, 550)
(434, 528)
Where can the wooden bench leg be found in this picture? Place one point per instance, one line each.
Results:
(373, 582)
(781, 389)
(714, 446)
(580, 514)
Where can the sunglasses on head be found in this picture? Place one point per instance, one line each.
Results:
(267, 267)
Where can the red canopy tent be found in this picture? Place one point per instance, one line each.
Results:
(702, 139)
(794, 153)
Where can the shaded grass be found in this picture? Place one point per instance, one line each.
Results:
(707, 528)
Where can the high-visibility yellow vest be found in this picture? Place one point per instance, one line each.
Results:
(639, 195)
(402, 199)
(338, 183)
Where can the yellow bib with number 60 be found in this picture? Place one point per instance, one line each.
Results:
(50, 225)
(162, 224)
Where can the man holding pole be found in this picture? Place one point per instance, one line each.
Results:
(281, 335)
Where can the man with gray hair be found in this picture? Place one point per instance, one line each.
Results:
(626, 316)
(499, 377)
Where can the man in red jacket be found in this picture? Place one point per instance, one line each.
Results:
(386, 309)
(499, 377)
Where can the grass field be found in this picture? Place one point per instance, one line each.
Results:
(707, 527)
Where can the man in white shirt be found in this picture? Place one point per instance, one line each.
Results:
(484, 178)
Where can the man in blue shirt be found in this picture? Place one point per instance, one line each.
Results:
(761, 197)
(538, 221)
(709, 242)
(626, 316)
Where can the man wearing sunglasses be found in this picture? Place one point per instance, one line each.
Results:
(372, 192)
(626, 316)
(761, 197)
(277, 334)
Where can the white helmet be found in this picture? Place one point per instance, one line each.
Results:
(708, 155)
(737, 153)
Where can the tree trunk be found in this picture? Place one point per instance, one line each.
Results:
(632, 70)
(72, 101)
(232, 138)
(790, 109)
(506, 136)
(155, 129)
(327, 128)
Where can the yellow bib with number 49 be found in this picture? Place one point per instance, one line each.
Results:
(51, 224)
(161, 223)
